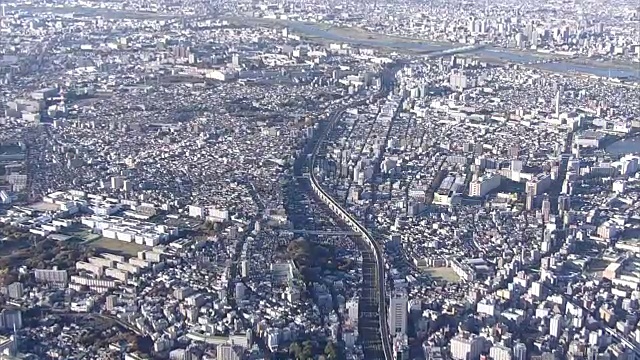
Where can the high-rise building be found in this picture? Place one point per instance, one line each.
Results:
(180, 354)
(466, 346)
(500, 352)
(244, 267)
(397, 317)
(353, 311)
(401, 347)
(230, 352)
(9, 346)
(530, 201)
(15, 290)
(51, 276)
(539, 184)
(555, 326)
(546, 209)
(181, 52)
(116, 182)
(240, 289)
(564, 203)
(110, 302)
(484, 184)
(11, 319)
(519, 351)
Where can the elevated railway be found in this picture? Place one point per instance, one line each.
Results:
(378, 292)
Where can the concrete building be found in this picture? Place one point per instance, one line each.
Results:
(397, 316)
(466, 346)
(555, 326)
(519, 351)
(539, 184)
(484, 184)
(229, 352)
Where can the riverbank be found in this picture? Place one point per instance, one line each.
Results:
(327, 33)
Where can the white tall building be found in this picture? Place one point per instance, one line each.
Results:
(499, 352)
(484, 184)
(466, 346)
(397, 317)
(628, 165)
(519, 351)
(555, 326)
(352, 311)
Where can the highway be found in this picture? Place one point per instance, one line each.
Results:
(374, 331)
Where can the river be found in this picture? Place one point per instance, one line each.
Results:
(503, 54)
(396, 43)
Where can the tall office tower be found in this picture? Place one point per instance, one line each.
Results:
(530, 200)
(592, 352)
(564, 203)
(555, 326)
(230, 352)
(116, 182)
(15, 290)
(397, 317)
(546, 209)
(244, 266)
(352, 311)
(471, 27)
(111, 302)
(466, 346)
(519, 351)
(558, 104)
(235, 60)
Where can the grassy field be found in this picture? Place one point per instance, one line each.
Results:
(43, 206)
(442, 274)
(117, 247)
(81, 232)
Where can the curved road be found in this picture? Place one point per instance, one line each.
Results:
(374, 296)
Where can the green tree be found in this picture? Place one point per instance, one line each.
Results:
(295, 350)
(330, 351)
(307, 350)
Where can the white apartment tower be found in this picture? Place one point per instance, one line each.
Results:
(555, 326)
(397, 316)
(519, 351)
(352, 311)
(466, 347)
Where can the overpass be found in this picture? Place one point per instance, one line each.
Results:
(339, 211)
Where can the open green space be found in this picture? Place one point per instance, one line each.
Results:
(315, 260)
(81, 232)
(442, 274)
(114, 246)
